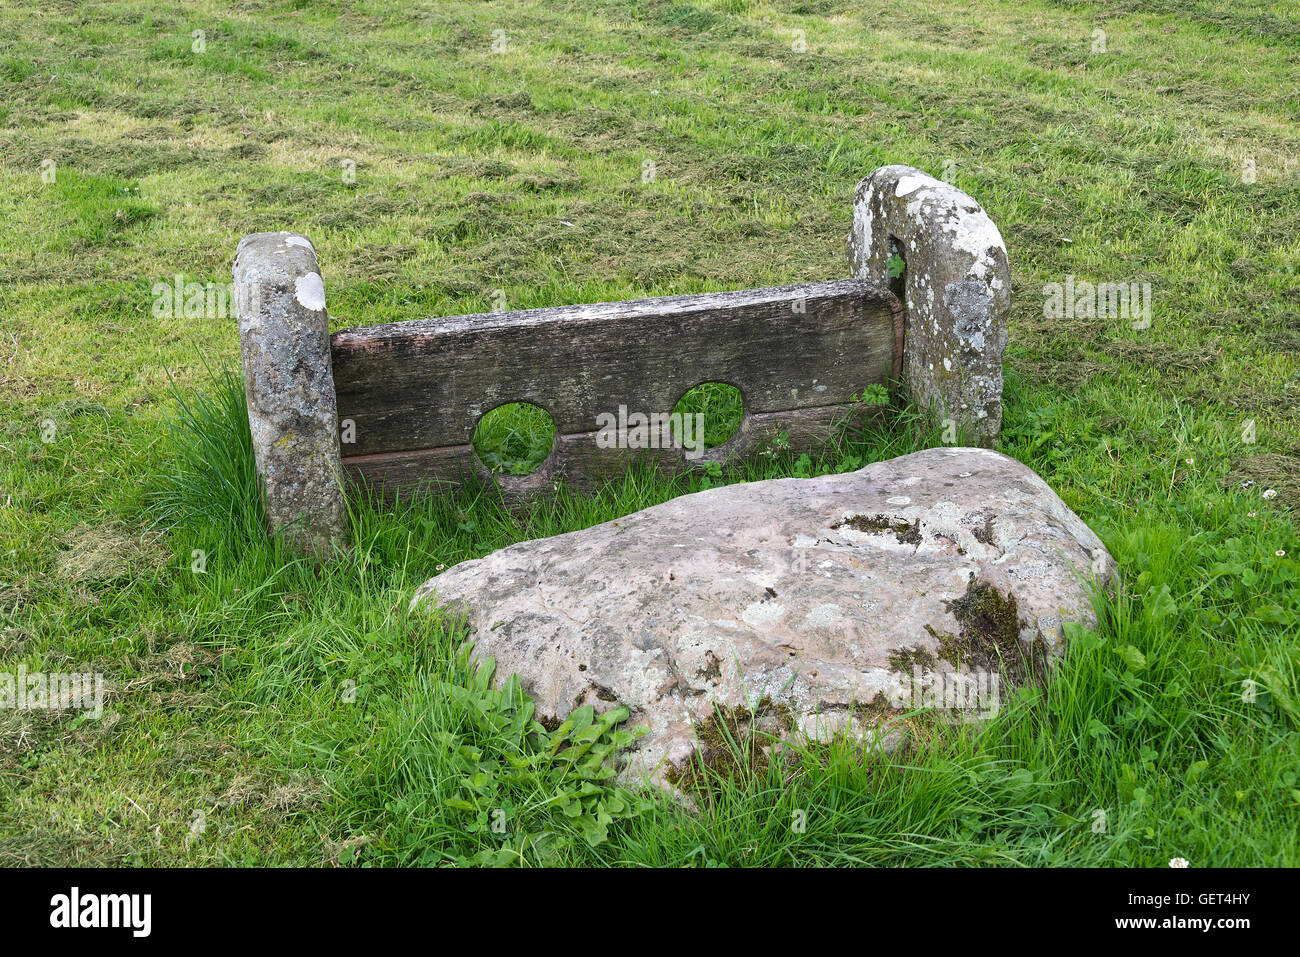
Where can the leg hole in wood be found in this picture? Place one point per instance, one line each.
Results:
(514, 438)
(711, 411)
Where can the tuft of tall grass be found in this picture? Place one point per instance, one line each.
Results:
(213, 483)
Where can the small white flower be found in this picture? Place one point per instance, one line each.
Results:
(1251, 514)
(1270, 493)
(1280, 553)
(1179, 862)
(1190, 461)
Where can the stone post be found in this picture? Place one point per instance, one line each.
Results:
(289, 387)
(956, 296)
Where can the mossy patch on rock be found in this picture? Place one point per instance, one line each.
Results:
(989, 635)
(906, 659)
(907, 533)
(712, 670)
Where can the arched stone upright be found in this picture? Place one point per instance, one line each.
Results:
(289, 386)
(957, 291)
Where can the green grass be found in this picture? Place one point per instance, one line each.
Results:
(263, 712)
(720, 404)
(514, 438)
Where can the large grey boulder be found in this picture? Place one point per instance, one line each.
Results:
(806, 606)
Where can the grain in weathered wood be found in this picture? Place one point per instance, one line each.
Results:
(417, 387)
(580, 462)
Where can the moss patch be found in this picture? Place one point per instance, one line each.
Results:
(989, 635)
(907, 533)
(712, 670)
(905, 659)
(984, 534)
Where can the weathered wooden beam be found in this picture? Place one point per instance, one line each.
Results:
(580, 461)
(414, 387)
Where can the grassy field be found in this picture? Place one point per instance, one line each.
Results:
(260, 713)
